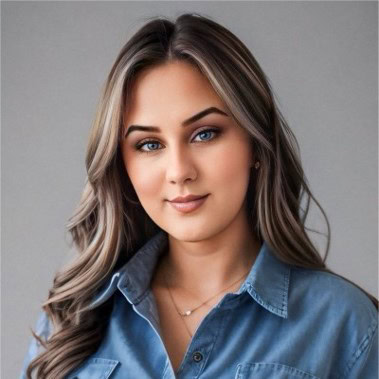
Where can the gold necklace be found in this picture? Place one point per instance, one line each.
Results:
(190, 311)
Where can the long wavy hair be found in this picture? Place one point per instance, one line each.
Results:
(109, 224)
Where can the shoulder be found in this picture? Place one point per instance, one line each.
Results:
(340, 314)
(43, 325)
(330, 291)
(43, 329)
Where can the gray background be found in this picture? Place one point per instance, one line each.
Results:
(322, 61)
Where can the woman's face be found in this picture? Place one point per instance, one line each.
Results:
(205, 155)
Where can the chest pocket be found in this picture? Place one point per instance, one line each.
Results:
(270, 370)
(99, 368)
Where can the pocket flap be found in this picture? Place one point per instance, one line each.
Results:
(270, 370)
(99, 368)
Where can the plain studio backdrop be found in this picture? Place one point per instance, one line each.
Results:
(322, 62)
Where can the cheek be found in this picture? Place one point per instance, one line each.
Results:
(141, 177)
(145, 181)
(232, 167)
(232, 183)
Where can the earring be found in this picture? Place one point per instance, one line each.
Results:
(256, 165)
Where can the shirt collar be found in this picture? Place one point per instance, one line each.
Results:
(267, 282)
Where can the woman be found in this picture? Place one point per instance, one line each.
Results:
(194, 257)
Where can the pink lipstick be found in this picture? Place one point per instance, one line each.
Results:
(188, 206)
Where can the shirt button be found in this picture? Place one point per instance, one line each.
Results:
(197, 357)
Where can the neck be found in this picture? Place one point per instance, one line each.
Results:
(210, 264)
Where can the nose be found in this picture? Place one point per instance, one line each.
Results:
(180, 167)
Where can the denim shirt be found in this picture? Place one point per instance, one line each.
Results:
(283, 322)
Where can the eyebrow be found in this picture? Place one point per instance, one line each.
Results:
(189, 121)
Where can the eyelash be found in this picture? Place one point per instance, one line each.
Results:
(139, 145)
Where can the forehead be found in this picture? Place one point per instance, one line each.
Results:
(171, 90)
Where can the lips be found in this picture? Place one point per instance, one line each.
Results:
(188, 206)
(188, 198)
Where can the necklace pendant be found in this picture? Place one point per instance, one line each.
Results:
(187, 313)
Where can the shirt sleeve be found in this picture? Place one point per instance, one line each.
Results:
(42, 329)
(364, 363)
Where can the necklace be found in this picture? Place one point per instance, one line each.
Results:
(190, 311)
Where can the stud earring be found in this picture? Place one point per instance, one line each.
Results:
(256, 165)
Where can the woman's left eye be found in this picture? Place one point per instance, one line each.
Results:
(205, 132)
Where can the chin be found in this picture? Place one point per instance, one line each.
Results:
(188, 234)
(193, 232)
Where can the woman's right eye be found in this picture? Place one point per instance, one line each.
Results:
(139, 146)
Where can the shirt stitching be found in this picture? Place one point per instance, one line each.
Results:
(362, 347)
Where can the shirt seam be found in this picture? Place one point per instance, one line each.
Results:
(141, 297)
(362, 347)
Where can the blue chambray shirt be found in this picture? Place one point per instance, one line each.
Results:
(283, 322)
